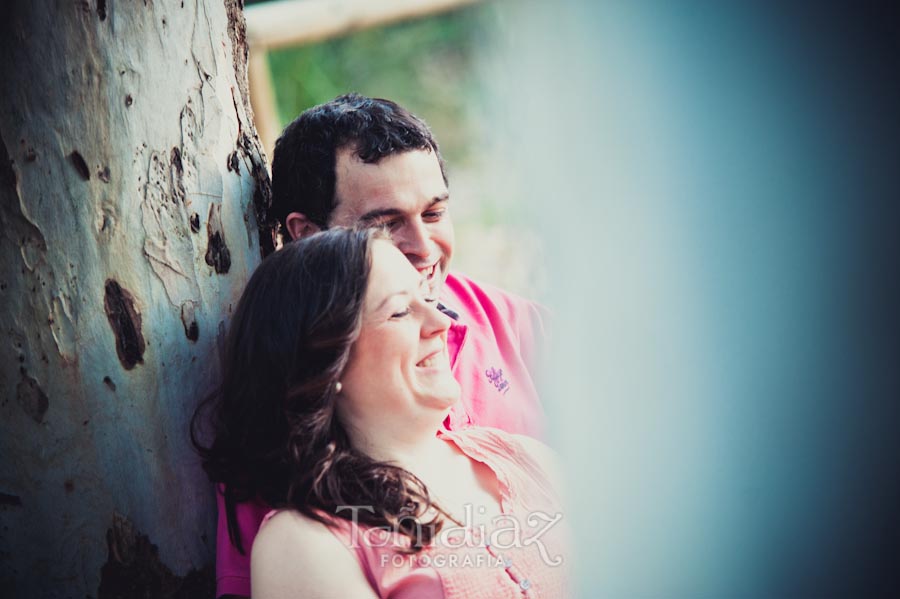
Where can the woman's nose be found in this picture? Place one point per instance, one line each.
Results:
(435, 322)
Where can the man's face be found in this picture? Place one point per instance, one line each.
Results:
(406, 194)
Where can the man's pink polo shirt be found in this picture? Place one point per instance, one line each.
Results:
(495, 342)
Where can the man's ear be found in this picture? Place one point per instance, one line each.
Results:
(299, 226)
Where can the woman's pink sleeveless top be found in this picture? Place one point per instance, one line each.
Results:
(519, 554)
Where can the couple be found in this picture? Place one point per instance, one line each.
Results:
(383, 406)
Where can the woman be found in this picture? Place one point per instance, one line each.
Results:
(336, 382)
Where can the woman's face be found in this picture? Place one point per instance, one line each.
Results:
(399, 367)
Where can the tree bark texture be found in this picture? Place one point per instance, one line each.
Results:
(132, 197)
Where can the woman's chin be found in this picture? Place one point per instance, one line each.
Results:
(444, 397)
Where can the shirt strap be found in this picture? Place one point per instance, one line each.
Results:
(448, 311)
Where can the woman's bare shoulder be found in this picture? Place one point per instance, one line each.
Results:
(294, 555)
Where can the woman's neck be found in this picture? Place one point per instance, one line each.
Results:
(416, 452)
(450, 476)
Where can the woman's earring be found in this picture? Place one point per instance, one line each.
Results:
(338, 387)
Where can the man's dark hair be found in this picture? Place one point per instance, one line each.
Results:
(303, 176)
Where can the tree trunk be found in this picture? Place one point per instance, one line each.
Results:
(133, 198)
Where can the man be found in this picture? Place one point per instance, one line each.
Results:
(362, 161)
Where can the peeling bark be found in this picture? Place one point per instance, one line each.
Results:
(80, 165)
(247, 140)
(217, 254)
(125, 321)
(125, 129)
(32, 398)
(10, 500)
(133, 569)
(191, 330)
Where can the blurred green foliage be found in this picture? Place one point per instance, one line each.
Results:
(427, 65)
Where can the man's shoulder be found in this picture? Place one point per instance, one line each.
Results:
(459, 282)
(468, 295)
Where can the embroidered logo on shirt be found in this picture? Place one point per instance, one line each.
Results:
(496, 377)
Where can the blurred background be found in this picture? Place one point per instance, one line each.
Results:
(706, 195)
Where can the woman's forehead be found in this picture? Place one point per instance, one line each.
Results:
(391, 274)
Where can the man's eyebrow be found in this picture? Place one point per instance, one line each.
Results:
(377, 213)
(444, 197)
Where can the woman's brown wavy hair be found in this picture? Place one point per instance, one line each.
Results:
(270, 431)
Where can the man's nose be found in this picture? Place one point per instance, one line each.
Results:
(415, 241)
